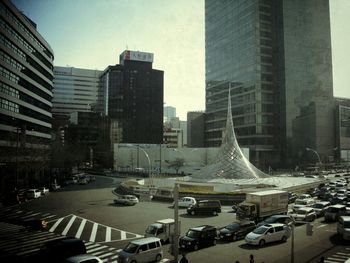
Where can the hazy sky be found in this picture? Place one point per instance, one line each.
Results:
(92, 33)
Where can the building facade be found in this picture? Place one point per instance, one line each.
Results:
(195, 129)
(275, 56)
(75, 90)
(131, 95)
(342, 130)
(169, 112)
(26, 83)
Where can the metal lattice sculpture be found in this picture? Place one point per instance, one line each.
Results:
(230, 162)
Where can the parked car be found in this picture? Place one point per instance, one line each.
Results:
(126, 200)
(320, 207)
(83, 258)
(333, 212)
(343, 227)
(292, 197)
(198, 237)
(33, 193)
(282, 219)
(304, 214)
(44, 190)
(83, 180)
(141, 250)
(268, 233)
(236, 230)
(205, 207)
(55, 187)
(186, 201)
(305, 196)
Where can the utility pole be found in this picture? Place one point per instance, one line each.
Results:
(177, 228)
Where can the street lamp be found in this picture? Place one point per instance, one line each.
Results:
(318, 156)
(148, 159)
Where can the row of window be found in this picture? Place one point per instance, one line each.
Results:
(8, 75)
(8, 105)
(6, 89)
(24, 29)
(7, 43)
(10, 121)
(9, 60)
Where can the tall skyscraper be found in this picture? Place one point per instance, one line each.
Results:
(169, 112)
(275, 56)
(75, 90)
(26, 69)
(131, 94)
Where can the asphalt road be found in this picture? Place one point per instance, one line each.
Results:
(88, 211)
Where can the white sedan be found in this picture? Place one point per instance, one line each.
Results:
(126, 200)
(186, 201)
(82, 259)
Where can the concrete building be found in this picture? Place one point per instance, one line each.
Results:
(175, 133)
(275, 57)
(342, 130)
(75, 89)
(195, 129)
(26, 69)
(131, 95)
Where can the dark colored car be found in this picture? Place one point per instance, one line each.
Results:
(236, 230)
(292, 197)
(282, 219)
(205, 207)
(198, 237)
(60, 249)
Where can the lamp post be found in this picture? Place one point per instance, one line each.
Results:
(318, 156)
(148, 159)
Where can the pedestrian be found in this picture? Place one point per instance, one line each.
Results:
(183, 259)
(251, 258)
(321, 260)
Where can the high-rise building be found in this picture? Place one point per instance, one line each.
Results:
(26, 69)
(275, 56)
(75, 90)
(169, 112)
(195, 129)
(131, 94)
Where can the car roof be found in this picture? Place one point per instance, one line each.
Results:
(345, 218)
(81, 257)
(145, 240)
(200, 228)
(305, 208)
(274, 225)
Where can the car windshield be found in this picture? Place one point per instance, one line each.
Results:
(233, 226)
(260, 230)
(332, 210)
(302, 212)
(130, 248)
(318, 206)
(300, 202)
(151, 230)
(347, 224)
(270, 220)
(193, 234)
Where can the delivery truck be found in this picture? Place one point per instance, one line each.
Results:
(162, 229)
(260, 205)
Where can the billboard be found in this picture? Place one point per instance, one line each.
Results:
(136, 56)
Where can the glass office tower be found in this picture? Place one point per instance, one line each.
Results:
(275, 56)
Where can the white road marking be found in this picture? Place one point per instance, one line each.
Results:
(69, 225)
(81, 227)
(56, 224)
(122, 235)
(321, 226)
(93, 233)
(108, 234)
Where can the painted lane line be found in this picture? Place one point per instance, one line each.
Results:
(96, 249)
(56, 224)
(321, 226)
(93, 233)
(122, 235)
(108, 234)
(69, 225)
(92, 246)
(105, 255)
(24, 217)
(81, 228)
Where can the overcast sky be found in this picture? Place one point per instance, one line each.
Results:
(92, 33)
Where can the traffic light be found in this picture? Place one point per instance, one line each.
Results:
(309, 229)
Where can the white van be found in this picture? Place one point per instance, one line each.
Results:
(343, 227)
(141, 250)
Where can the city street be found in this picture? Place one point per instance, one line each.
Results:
(88, 212)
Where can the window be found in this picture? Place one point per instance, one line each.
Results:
(152, 245)
(143, 248)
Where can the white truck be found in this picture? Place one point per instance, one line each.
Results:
(162, 229)
(260, 205)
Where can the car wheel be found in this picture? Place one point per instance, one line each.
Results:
(215, 213)
(262, 242)
(195, 247)
(158, 257)
(193, 213)
(284, 239)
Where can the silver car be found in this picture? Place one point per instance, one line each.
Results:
(126, 200)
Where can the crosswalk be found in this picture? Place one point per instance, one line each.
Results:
(79, 227)
(340, 256)
(12, 213)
